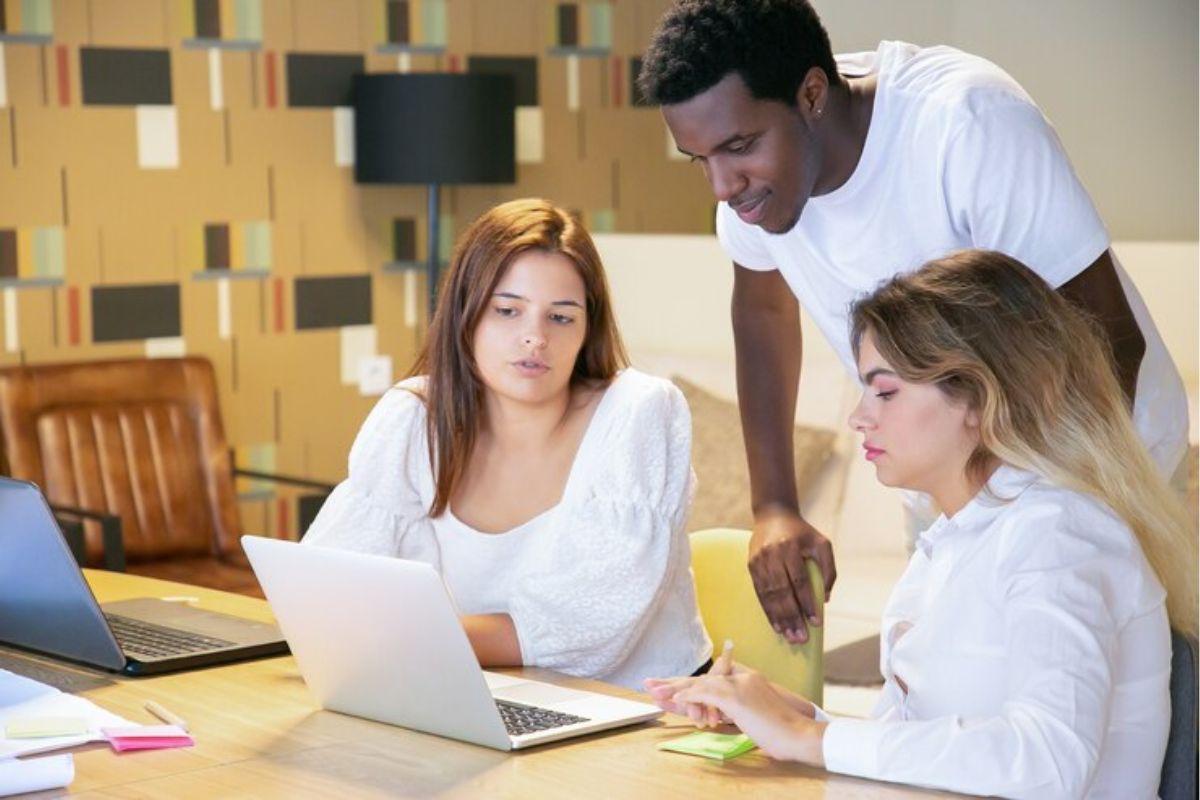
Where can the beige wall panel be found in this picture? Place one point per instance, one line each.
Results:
(593, 81)
(590, 187)
(138, 251)
(395, 338)
(201, 138)
(6, 145)
(189, 79)
(680, 201)
(30, 196)
(130, 23)
(460, 25)
(49, 137)
(27, 76)
(168, 198)
(299, 136)
(333, 235)
(198, 311)
(71, 22)
(262, 136)
(625, 38)
(322, 26)
(238, 71)
(646, 14)
(222, 194)
(36, 330)
(561, 138)
(278, 31)
(82, 245)
(511, 27)
(95, 138)
(614, 133)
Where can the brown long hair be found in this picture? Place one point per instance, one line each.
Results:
(1038, 371)
(454, 393)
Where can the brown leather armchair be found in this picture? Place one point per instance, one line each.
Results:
(140, 440)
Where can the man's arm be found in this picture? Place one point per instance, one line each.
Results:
(1097, 290)
(766, 334)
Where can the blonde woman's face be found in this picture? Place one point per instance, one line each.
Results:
(912, 432)
(532, 330)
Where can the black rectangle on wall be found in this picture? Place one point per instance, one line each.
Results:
(568, 25)
(321, 81)
(404, 239)
(125, 77)
(523, 69)
(208, 19)
(8, 254)
(145, 311)
(397, 20)
(333, 302)
(216, 246)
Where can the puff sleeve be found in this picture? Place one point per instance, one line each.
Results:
(382, 507)
(618, 539)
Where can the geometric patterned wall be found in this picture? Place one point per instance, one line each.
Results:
(177, 176)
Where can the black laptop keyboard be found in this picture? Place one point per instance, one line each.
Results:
(145, 639)
(519, 719)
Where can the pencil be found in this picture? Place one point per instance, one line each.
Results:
(165, 715)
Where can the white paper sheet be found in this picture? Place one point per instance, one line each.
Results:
(22, 698)
(35, 774)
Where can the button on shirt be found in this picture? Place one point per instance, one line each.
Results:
(1032, 637)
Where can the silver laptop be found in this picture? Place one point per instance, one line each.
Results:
(379, 637)
(47, 606)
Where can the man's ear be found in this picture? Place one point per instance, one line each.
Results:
(813, 93)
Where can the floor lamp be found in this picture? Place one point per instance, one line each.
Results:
(434, 129)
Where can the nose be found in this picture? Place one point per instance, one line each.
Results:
(860, 419)
(534, 337)
(725, 180)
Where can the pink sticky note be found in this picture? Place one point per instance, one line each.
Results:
(147, 737)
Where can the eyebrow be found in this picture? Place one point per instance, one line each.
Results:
(719, 145)
(873, 374)
(512, 296)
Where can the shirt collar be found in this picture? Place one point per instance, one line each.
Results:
(1004, 486)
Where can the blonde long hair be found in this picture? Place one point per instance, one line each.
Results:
(990, 332)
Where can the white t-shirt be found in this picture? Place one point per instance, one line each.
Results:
(1032, 636)
(600, 585)
(957, 156)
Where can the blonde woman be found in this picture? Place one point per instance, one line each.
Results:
(1026, 647)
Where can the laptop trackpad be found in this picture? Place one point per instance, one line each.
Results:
(538, 694)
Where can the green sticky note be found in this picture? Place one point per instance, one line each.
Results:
(721, 746)
(43, 727)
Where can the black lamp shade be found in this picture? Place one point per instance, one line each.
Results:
(434, 128)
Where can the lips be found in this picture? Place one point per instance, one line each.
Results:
(531, 366)
(872, 452)
(751, 211)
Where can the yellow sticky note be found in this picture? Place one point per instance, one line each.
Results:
(42, 727)
(721, 746)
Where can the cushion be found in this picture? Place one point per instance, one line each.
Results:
(719, 457)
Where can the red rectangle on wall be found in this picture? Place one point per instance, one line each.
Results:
(63, 62)
(272, 86)
(278, 304)
(73, 326)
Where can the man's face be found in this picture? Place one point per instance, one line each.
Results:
(760, 156)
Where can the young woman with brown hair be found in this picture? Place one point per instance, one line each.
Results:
(547, 481)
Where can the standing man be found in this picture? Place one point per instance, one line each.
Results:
(833, 175)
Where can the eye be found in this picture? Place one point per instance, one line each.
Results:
(505, 311)
(741, 147)
(886, 395)
(561, 319)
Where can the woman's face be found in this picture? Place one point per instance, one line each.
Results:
(916, 437)
(532, 329)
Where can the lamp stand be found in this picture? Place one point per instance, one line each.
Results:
(433, 264)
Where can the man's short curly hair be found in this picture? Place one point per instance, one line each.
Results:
(771, 44)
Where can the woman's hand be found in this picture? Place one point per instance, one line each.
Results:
(778, 721)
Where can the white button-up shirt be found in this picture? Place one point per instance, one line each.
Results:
(1032, 637)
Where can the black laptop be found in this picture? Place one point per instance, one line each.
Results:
(47, 606)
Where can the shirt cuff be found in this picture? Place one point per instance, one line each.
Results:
(851, 747)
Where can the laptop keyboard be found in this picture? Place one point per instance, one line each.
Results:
(519, 719)
(146, 639)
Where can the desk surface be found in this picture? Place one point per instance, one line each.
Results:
(259, 734)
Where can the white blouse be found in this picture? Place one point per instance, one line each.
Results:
(1033, 639)
(603, 587)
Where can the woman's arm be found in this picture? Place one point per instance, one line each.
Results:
(494, 639)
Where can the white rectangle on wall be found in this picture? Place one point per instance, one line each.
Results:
(374, 375)
(3, 79)
(572, 83)
(358, 342)
(404, 62)
(343, 136)
(166, 347)
(11, 342)
(158, 137)
(410, 299)
(531, 140)
(216, 86)
(224, 310)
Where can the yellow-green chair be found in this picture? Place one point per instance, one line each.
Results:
(731, 611)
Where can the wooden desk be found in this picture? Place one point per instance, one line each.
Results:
(259, 734)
